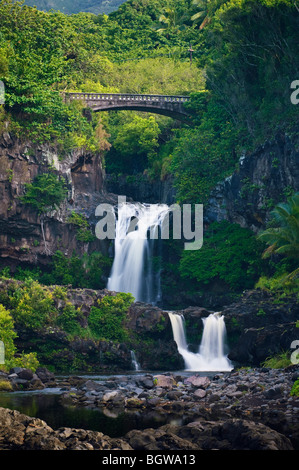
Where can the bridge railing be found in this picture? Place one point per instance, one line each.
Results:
(125, 97)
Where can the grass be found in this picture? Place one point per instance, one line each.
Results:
(279, 361)
(5, 386)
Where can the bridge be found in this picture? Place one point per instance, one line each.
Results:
(166, 105)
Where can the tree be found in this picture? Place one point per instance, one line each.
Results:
(203, 13)
(283, 238)
(45, 193)
(7, 332)
(135, 142)
(229, 258)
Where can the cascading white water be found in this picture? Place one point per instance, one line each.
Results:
(132, 270)
(211, 355)
(134, 361)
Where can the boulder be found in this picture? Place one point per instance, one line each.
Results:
(199, 393)
(164, 381)
(198, 381)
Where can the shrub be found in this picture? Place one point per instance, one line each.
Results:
(68, 320)
(85, 272)
(5, 386)
(295, 389)
(84, 233)
(28, 361)
(35, 307)
(45, 193)
(106, 320)
(7, 333)
(230, 254)
(279, 361)
(278, 284)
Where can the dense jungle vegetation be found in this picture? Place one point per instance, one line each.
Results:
(245, 56)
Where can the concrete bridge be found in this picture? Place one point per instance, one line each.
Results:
(166, 105)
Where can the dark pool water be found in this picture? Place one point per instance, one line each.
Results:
(47, 406)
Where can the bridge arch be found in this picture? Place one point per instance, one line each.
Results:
(167, 105)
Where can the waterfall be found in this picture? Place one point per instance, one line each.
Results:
(134, 361)
(211, 355)
(132, 270)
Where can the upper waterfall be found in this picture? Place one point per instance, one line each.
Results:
(132, 271)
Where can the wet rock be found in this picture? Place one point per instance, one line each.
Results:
(26, 374)
(20, 432)
(146, 382)
(243, 399)
(174, 395)
(273, 392)
(200, 393)
(47, 377)
(198, 381)
(164, 381)
(91, 385)
(134, 403)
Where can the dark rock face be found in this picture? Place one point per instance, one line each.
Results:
(21, 237)
(140, 188)
(152, 338)
(259, 183)
(259, 326)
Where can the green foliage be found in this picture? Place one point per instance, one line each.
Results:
(230, 254)
(107, 320)
(295, 389)
(86, 272)
(84, 233)
(45, 193)
(69, 320)
(205, 154)
(279, 361)
(283, 237)
(251, 55)
(5, 386)
(279, 284)
(34, 307)
(7, 332)
(80, 52)
(27, 361)
(8, 336)
(160, 75)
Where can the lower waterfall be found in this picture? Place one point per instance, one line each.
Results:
(211, 355)
(132, 271)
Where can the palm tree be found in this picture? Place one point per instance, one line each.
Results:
(169, 21)
(283, 238)
(169, 18)
(203, 13)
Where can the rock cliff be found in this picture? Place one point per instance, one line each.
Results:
(262, 179)
(21, 238)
